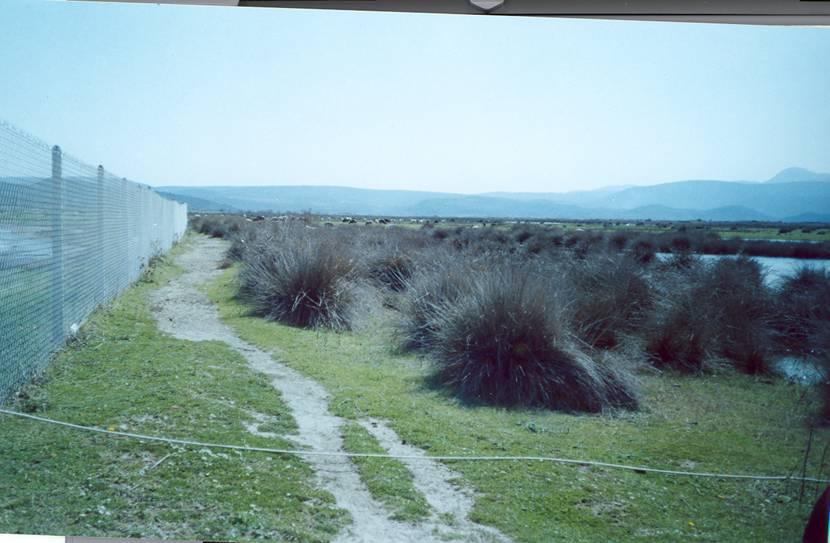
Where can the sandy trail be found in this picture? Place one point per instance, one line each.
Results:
(182, 311)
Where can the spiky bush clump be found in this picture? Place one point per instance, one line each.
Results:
(609, 297)
(244, 239)
(391, 269)
(681, 333)
(719, 310)
(821, 342)
(741, 304)
(300, 279)
(435, 284)
(503, 344)
(643, 251)
(217, 226)
(802, 322)
(803, 309)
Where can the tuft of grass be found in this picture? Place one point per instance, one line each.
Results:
(609, 297)
(503, 343)
(391, 269)
(217, 225)
(711, 311)
(741, 304)
(300, 279)
(389, 481)
(680, 335)
(643, 251)
(442, 282)
(802, 323)
(803, 310)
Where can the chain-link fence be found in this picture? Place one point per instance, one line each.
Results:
(71, 237)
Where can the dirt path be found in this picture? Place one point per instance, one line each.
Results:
(185, 313)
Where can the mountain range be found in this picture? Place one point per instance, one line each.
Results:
(795, 194)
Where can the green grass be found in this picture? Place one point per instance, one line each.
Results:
(817, 234)
(388, 480)
(122, 373)
(716, 423)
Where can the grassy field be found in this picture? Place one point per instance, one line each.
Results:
(818, 234)
(123, 374)
(722, 423)
(741, 230)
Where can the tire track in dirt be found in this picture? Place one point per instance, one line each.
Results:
(182, 311)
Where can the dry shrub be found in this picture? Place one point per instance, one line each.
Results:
(618, 241)
(821, 342)
(680, 334)
(302, 278)
(803, 310)
(217, 225)
(439, 282)
(609, 297)
(706, 311)
(643, 251)
(391, 269)
(242, 240)
(503, 343)
(802, 322)
(741, 304)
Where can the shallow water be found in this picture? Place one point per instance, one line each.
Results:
(776, 267)
(800, 371)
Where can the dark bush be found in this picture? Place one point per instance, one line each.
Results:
(680, 261)
(681, 244)
(503, 343)
(618, 241)
(300, 279)
(217, 226)
(681, 333)
(441, 282)
(440, 234)
(821, 353)
(643, 251)
(719, 310)
(391, 269)
(741, 304)
(523, 235)
(242, 240)
(803, 310)
(608, 297)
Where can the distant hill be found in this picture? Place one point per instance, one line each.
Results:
(793, 175)
(792, 195)
(195, 203)
(322, 199)
(773, 199)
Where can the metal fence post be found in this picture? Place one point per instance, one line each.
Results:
(58, 324)
(128, 242)
(102, 264)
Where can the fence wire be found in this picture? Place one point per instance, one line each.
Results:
(72, 236)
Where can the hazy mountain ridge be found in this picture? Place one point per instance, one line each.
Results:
(799, 174)
(194, 202)
(783, 197)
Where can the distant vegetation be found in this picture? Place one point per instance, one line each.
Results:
(529, 315)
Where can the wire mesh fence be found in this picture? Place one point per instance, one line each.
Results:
(72, 236)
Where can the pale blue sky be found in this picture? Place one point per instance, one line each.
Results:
(206, 95)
